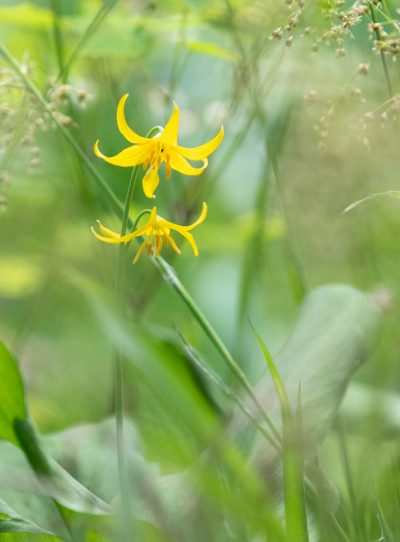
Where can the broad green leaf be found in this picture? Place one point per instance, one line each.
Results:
(366, 408)
(57, 482)
(12, 393)
(14, 528)
(15, 428)
(332, 336)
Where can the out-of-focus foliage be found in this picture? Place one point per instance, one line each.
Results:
(308, 93)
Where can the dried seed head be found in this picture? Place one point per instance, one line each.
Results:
(39, 122)
(363, 69)
(277, 33)
(82, 95)
(5, 177)
(289, 41)
(356, 92)
(341, 52)
(311, 96)
(63, 119)
(35, 163)
(5, 110)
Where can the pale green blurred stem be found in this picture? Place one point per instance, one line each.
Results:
(382, 54)
(119, 362)
(171, 278)
(103, 11)
(58, 40)
(167, 271)
(36, 92)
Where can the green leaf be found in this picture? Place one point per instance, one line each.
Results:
(58, 483)
(12, 393)
(333, 334)
(293, 463)
(368, 409)
(26, 15)
(17, 429)
(211, 49)
(16, 529)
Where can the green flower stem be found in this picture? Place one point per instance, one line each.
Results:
(119, 362)
(139, 216)
(166, 270)
(103, 11)
(170, 277)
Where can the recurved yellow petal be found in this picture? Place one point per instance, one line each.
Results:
(202, 151)
(150, 182)
(173, 244)
(179, 163)
(201, 218)
(106, 231)
(129, 157)
(120, 239)
(140, 250)
(188, 236)
(123, 127)
(170, 133)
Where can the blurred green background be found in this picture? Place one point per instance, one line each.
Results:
(307, 134)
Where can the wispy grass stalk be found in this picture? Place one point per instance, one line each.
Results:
(103, 11)
(166, 270)
(57, 33)
(381, 52)
(292, 458)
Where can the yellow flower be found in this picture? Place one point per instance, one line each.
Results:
(155, 231)
(163, 147)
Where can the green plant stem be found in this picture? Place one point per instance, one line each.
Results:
(170, 277)
(226, 390)
(167, 271)
(58, 40)
(36, 92)
(119, 359)
(382, 54)
(98, 18)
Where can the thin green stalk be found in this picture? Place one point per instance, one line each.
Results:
(292, 457)
(166, 270)
(98, 18)
(119, 360)
(226, 390)
(360, 535)
(382, 54)
(36, 92)
(170, 277)
(58, 40)
(119, 363)
(253, 88)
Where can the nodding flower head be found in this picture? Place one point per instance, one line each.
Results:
(153, 151)
(155, 232)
